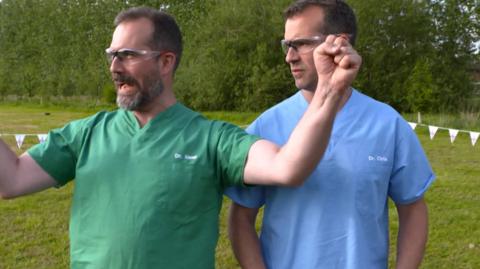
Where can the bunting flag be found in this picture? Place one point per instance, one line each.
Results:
(42, 137)
(453, 134)
(474, 137)
(413, 125)
(19, 138)
(433, 130)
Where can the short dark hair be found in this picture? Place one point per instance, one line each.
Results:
(339, 16)
(166, 33)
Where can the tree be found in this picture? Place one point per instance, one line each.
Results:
(420, 88)
(457, 27)
(395, 38)
(233, 58)
(393, 35)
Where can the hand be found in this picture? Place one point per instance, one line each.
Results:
(337, 64)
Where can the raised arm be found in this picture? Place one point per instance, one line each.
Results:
(20, 175)
(337, 65)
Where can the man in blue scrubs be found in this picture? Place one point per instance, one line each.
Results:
(339, 217)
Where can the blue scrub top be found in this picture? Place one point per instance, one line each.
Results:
(339, 217)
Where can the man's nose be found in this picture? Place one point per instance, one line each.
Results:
(292, 55)
(116, 66)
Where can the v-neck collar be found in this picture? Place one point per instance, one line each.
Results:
(344, 110)
(159, 119)
(339, 118)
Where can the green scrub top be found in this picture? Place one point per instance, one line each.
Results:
(145, 197)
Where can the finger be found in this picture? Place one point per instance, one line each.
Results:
(330, 39)
(347, 58)
(345, 37)
(345, 61)
(333, 45)
(350, 61)
(341, 40)
(342, 52)
(328, 47)
(338, 59)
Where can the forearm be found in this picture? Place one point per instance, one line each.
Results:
(244, 239)
(307, 143)
(291, 164)
(412, 234)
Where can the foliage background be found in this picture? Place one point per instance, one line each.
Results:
(418, 55)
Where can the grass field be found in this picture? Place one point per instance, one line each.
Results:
(34, 229)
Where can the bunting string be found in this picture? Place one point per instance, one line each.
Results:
(19, 138)
(453, 133)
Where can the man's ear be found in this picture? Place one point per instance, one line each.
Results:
(167, 62)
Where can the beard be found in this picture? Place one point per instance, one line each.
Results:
(142, 97)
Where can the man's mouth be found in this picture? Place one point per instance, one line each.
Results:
(119, 84)
(296, 71)
(122, 82)
(124, 88)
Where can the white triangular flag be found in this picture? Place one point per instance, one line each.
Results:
(42, 137)
(474, 137)
(413, 125)
(433, 130)
(453, 134)
(19, 138)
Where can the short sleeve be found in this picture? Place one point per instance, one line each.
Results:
(58, 154)
(252, 196)
(412, 174)
(253, 128)
(232, 150)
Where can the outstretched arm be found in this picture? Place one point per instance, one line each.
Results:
(20, 175)
(243, 236)
(337, 64)
(412, 234)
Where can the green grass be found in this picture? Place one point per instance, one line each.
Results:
(34, 229)
(453, 201)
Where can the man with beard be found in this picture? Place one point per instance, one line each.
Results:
(339, 217)
(149, 177)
